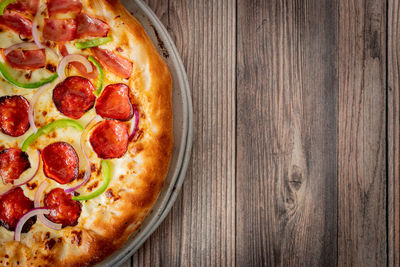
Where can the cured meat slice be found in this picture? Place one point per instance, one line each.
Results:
(79, 66)
(59, 30)
(13, 162)
(114, 103)
(90, 27)
(110, 139)
(17, 23)
(116, 64)
(26, 59)
(60, 162)
(63, 6)
(30, 6)
(74, 96)
(63, 209)
(13, 205)
(14, 118)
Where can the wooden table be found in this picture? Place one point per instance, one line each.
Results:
(296, 134)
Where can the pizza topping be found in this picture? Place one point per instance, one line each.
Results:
(14, 115)
(114, 103)
(106, 173)
(74, 96)
(99, 82)
(110, 139)
(59, 30)
(114, 63)
(13, 205)
(13, 162)
(9, 77)
(63, 123)
(63, 6)
(23, 45)
(60, 162)
(63, 209)
(42, 218)
(80, 67)
(93, 42)
(90, 27)
(72, 59)
(4, 4)
(17, 23)
(31, 215)
(30, 6)
(26, 59)
(134, 124)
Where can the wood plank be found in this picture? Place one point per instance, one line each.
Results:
(286, 133)
(200, 228)
(393, 133)
(362, 134)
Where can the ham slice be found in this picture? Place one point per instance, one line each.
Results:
(30, 6)
(63, 6)
(116, 64)
(90, 27)
(17, 23)
(26, 59)
(59, 30)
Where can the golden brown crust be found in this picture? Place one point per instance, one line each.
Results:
(107, 222)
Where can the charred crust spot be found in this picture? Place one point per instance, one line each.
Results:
(121, 177)
(138, 135)
(109, 194)
(59, 240)
(31, 186)
(119, 49)
(80, 175)
(93, 186)
(47, 236)
(92, 167)
(6, 256)
(28, 75)
(51, 68)
(44, 113)
(76, 238)
(117, 17)
(50, 244)
(160, 42)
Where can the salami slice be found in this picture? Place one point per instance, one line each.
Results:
(114, 103)
(90, 27)
(74, 96)
(60, 162)
(13, 205)
(63, 209)
(26, 59)
(116, 64)
(13, 162)
(14, 119)
(63, 6)
(110, 139)
(59, 30)
(17, 23)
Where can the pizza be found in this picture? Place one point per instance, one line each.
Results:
(85, 130)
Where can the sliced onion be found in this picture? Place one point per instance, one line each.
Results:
(88, 167)
(28, 176)
(24, 46)
(134, 123)
(35, 32)
(42, 218)
(31, 109)
(71, 58)
(27, 216)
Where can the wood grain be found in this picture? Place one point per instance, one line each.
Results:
(362, 134)
(393, 133)
(286, 132)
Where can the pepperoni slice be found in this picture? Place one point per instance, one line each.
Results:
(30, 6)
(63, 6)
(116, 64)
(17, 23)
(13, 205)
(60, 162)
(90, 27)
(26, 59)
(74, 96)
(79, 66)
(63, 209)
(13, 162)
(59, 30)
(110, 139)
(114, 103)
(14, 119)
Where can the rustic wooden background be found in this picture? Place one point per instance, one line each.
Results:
(296, 134)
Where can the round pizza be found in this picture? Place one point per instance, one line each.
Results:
(86, 130)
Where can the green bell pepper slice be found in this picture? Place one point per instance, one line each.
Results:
(106, 174)
(93, 42)
(32, 85)
(101, 75)
(4, 4)
(63, 123)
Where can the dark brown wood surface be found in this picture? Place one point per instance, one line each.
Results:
(296, 144)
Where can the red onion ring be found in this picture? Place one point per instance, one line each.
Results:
(35, 32)
(27, 216)
(134, 123)
(71, 58)
(24, 46)
(88, 167)
(42, 218)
